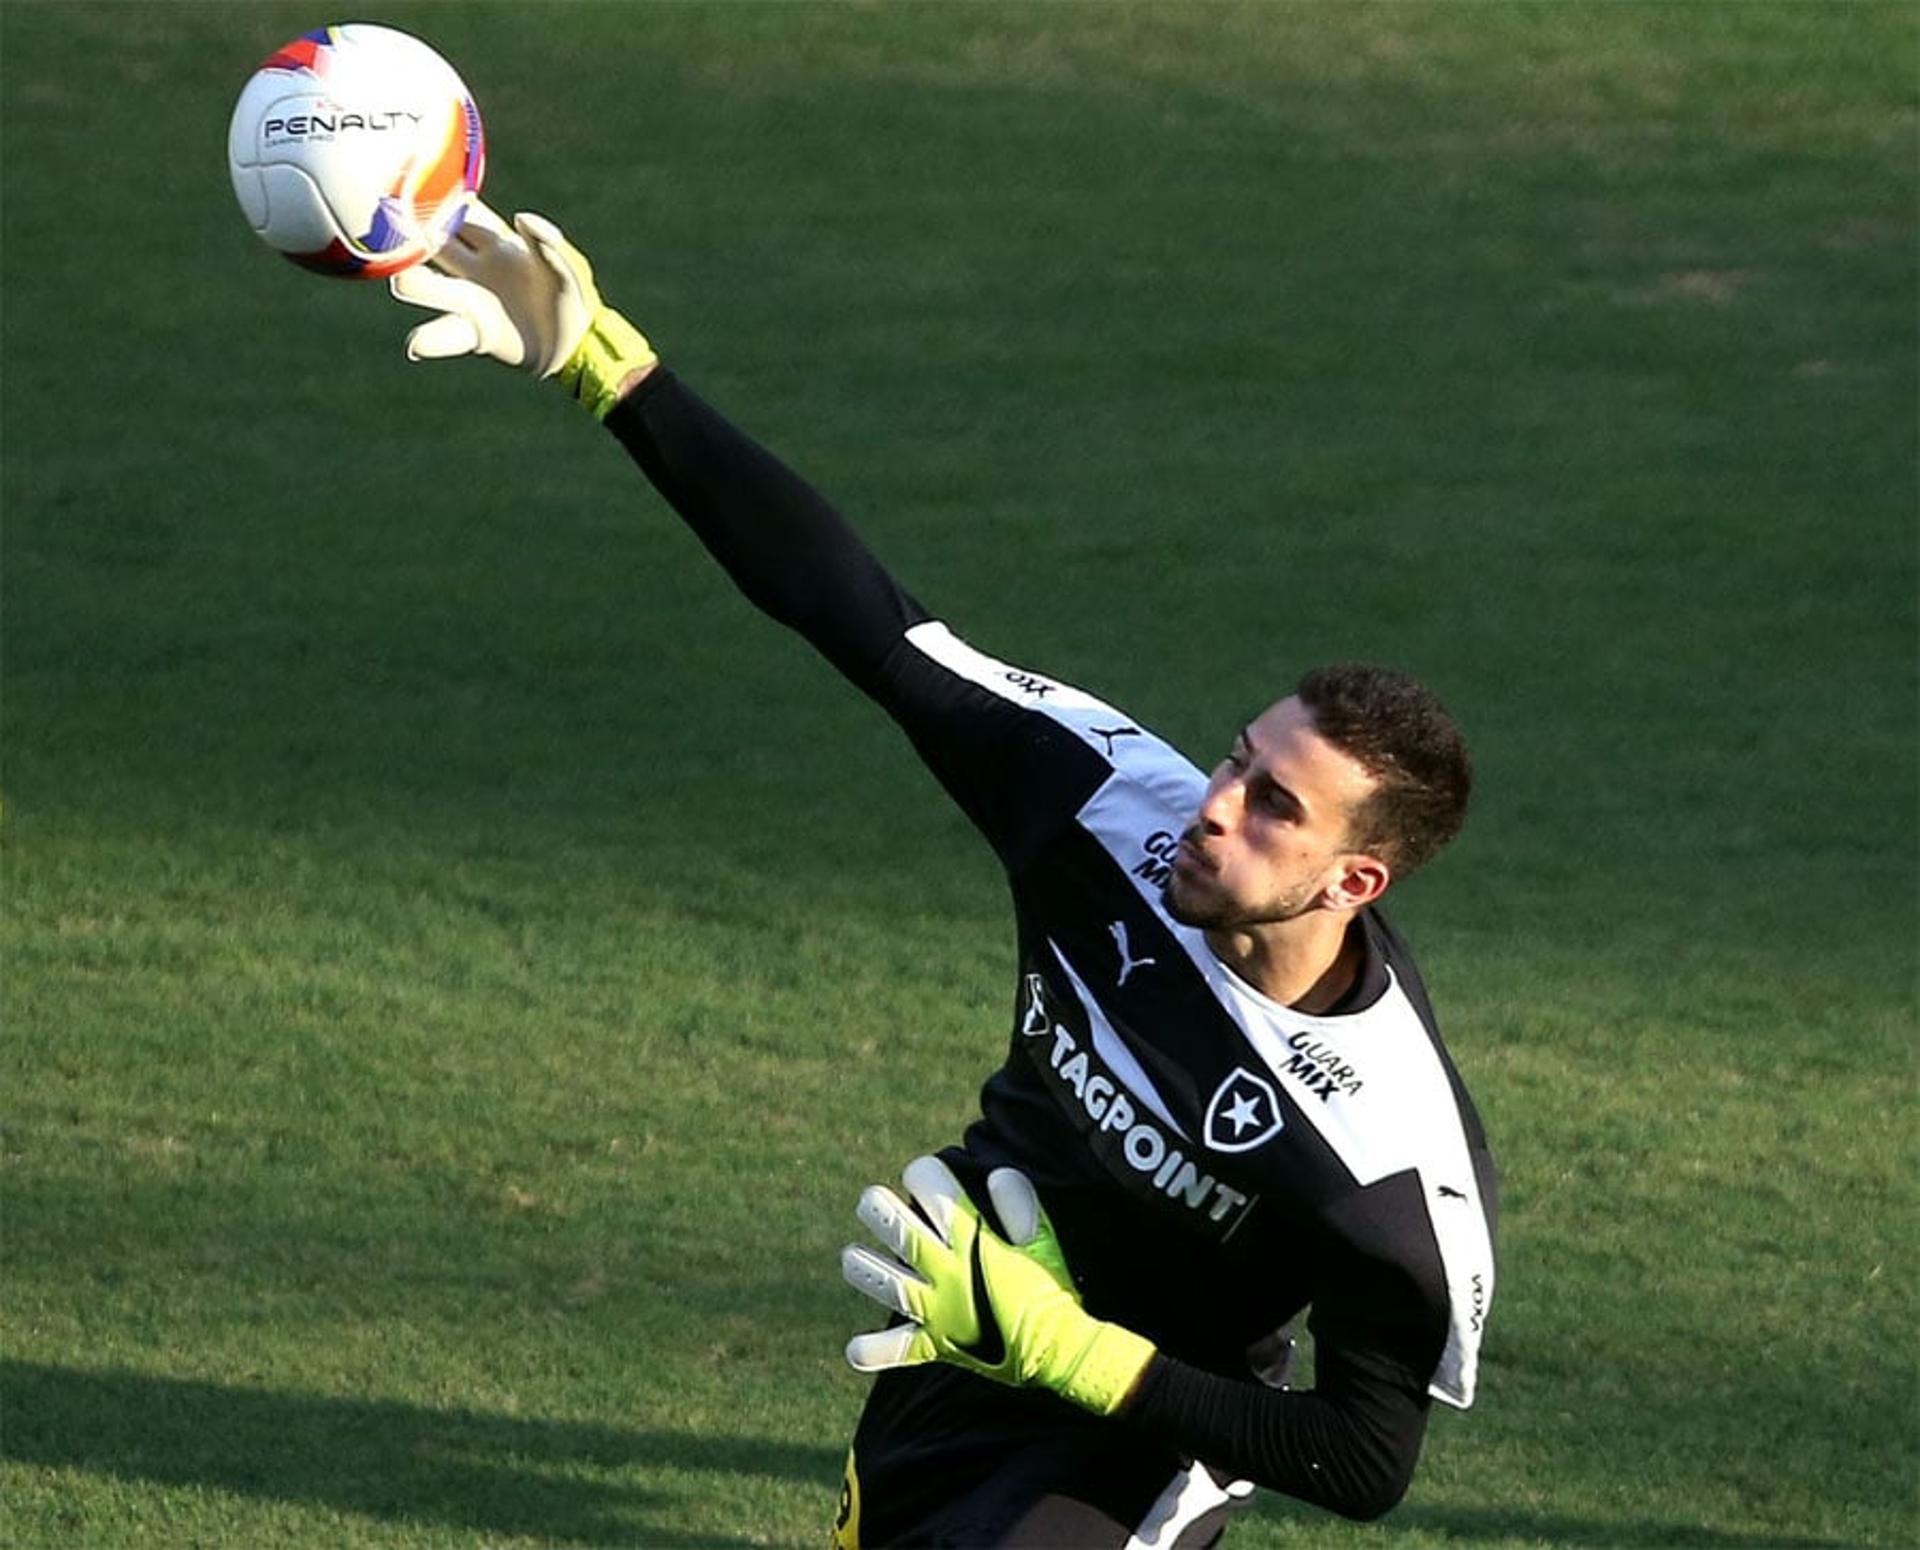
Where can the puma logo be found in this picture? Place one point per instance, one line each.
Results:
(1128, 963)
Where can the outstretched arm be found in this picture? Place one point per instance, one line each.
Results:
(522, 294)
(789, 552)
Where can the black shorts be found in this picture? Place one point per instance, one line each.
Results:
(944, 1458)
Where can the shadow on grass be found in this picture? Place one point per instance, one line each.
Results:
(557, 1481)
(1483, 1523)
(1477, 1525)
(564, 1482)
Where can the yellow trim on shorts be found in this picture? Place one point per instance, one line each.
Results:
(846, 1523)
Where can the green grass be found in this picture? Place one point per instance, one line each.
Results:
(461, 966)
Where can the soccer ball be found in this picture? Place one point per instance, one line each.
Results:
(356, 151)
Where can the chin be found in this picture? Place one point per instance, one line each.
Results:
(1202, 914)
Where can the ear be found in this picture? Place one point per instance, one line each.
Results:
(1359, 882)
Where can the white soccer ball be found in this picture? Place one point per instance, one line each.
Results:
(356, 151)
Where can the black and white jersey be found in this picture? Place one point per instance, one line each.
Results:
(1214, 1162)
(1241, 1128)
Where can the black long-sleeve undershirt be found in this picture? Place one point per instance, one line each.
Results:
(1351, 1459)
(787, 550)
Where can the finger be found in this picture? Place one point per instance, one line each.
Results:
(448, 335)
(424, 287)
(480, 225)
(894, 1223)
(1016, 1205)
(538, 231)
(482, 215)
(482, 242)
(905, 1345)
(938, 1194)
(568, 263)
(885, 1280)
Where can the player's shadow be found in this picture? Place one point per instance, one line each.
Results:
(1495, 1523)
(561, 1482)
(1476, 1525)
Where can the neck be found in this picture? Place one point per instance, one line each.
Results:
(1307, 963)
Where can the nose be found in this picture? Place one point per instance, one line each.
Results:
(1221, 805)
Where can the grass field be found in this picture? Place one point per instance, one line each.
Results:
(461, 965)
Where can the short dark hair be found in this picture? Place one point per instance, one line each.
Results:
(1399, 733)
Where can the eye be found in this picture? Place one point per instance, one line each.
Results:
(1277, 800)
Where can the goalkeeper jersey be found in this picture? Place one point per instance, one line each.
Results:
(1214, 1162)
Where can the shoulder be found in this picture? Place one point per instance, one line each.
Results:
(1119, 741)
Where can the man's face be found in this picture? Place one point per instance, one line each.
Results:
(1271, 835)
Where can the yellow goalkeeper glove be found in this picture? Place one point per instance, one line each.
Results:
(525, 295)
(1004, 1307)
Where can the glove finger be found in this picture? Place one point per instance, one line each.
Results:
(897, 1225)
(479, 230)
(539, 232)
(450, 334)
(905, 1345)
(424, 287)
(482, 216)
(482, 250)
(939, 1195)
(568, 263)
(885, 1280)
(1016, 1205)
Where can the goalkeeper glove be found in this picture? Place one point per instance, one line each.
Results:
(1004, 1307)
(524, 295)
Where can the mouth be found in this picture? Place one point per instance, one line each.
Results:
(1189, 856)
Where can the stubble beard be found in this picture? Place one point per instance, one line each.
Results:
(1201, 914)
(1217, 912)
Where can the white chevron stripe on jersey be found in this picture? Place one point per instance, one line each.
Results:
(1113, 1050)
(1131, 749)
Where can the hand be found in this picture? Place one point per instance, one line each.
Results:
(524, 295)
(1004, 1307)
